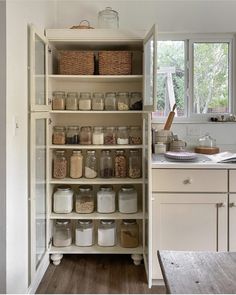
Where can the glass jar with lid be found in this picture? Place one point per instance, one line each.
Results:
(72, 135)
(110, 135)
(62, 234)
(120, 164)
(136, 102)
(59, 135)
(134, 164)
(84, 233)
(86, 135)
(98, 135)
(129, 233)
(85, 101)
(207, 141)
(58, 100)
(84, 199)
(122, 101)
(76, 164)
(98, 101)
(135, 135)
(110, 101)
(90, 170)
(59, 165)
(122, 135)
(128, 199)
(108, 19)
(71, 101)
(63, 200)
(106, 164)
(107, 233)
(106, 199)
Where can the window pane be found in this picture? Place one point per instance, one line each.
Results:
(211, 78)
(170, 77)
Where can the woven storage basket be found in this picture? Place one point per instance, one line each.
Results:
(76, 62)
(114, 62)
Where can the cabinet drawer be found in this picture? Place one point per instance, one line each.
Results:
(232, 181)
(189, 180)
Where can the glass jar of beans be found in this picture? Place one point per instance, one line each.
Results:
(120, 164)
(59, 135)
(59, 165)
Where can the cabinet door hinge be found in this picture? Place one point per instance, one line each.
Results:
(49, 50)
(49, 101)
(49, 121)
(50, 243)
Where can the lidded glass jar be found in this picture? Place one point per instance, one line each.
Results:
(63, 200)
(120, 164)
(85, 101)
(72, 135)
(107, 233)
(58, 100)
(98, 101)
(110, 101)
(122, 135)
(129, 233)
(108, 19)
(62, 235)
(71, 101)
(106, 199)
(59, 135)
(90, 170)
(76, 164)
(106, 164)
(84, 199)
(86, 135)
(207, 141)
(84, 233)
(98, 135)
(135, 135)
(123, 101)
(110, 135)
(128, 199)
(59, 165)
(134, 164)
(136, 102)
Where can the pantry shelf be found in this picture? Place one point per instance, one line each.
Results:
(94, 147)
(97, 181)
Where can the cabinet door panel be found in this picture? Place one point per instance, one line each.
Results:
(232, 181)
(232, 222)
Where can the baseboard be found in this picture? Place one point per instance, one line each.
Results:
(158, 282)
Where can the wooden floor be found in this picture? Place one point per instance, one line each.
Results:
(94, 274)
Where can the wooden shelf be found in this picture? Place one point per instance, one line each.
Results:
(94, 147)
(97, 181)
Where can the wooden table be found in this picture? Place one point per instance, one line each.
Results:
(198, 272)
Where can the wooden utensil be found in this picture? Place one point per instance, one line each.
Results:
(170, 118)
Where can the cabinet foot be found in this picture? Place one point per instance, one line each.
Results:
(56, 258)
(137, 258)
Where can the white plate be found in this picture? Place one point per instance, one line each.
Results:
(181, 155)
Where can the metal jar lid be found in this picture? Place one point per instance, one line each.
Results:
(85, 222)
(62, 221)
(85, 188)
(127, 188)
(106, 188)
(64, 188)
(108, 221)
(129, 221)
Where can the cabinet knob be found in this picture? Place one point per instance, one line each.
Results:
(232, 204)
(188, 181)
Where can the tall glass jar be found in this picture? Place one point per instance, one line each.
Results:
(98, 135)
(71, 101)
(106, 199)
(63, 200)
(123, 101)
(107, 233)
(59, 165)
(135, 135)
(129, 233)
(136, 102)
(86, 135)
(59, 135)
(110, 101)
(62, 235)
(134, 164)
(85, 101)
(128, 199)
(84, 233)
(108, 19)
(84, 199)
(98, 101)
(106, 164)
(72, 135)
(76, 164)
(110, 135)
(90, 170)
(58, 100)
(122, 135)
(120, 164)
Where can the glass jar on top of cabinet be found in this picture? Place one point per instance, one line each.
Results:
(90, 170)
(136, 102)
(85, 101)
(71, 101)
(76, 164)
(122, 135)
(59, 135)
(98, 101)
(129, 233)
(110, 135)
(128, 199)
(58, 100)
(59, 165)
(110, 101)
(106, 164)
(63, 200)
(120, 164)
(106, 202)
(108, 19)
(86, 135)
(98, 135)
(72, 135)
(84, 233)
(107, 233)
(62, 234)
(134, 164)
(122, 101)
(84, 199)
(135, 135)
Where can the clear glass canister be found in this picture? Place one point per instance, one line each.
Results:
(76, 164)
(86, 135)
(136, 102)
(72, 135)
(62, 234)
(63, 200)
(58, 100)
(59, 165)
(85, 101)
(107, 233)
(98, 135)
(135, 135)
(128, 199)
(122, 135)
(110, 135)
(106, 199)
(129, 233)
(84, 233)
(90, 170)
(120, 164)
(59, 135)
(110, 101)
(98, 101)
(106, 164)
(122, 101)
(134, 164)
(84, 199)
(71, 101)
(108, 19)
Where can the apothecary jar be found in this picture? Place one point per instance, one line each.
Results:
(85, 199)
(62, 235)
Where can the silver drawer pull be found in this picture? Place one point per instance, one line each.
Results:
(188, 181)
(232, 204)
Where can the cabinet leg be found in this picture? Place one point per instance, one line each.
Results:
(56, 258)
(137, 258)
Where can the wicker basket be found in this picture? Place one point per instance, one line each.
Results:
(76, 62)
(114, 62)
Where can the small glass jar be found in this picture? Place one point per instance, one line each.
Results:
(120, 164)
(122, 135)
(58, 100)
(84, 233)
(123, 101)
(128, 199)
(108, 19)
(71, 101)
(107, 233)
(63, 200)
(90, 170)
(98, 101)
(72, 135)
(62, 234)
(85, 101)
(136, 102)
(110, 101)
(135, 135)
(59, 165)
(98, 135)
(84, 200)
(59, 135)
(106, 199)
(106, 164)
(110, 135)
(129, 233)
(86, 135)
(76, 164)
(134, 164)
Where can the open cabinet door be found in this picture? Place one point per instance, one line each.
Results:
(150, 71)
(38, 70)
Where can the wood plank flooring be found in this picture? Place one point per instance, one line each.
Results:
(96, 274)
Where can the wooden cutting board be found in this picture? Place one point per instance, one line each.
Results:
(206, 150)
